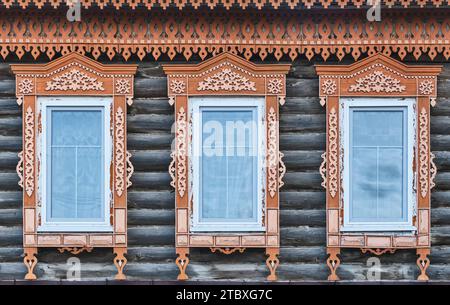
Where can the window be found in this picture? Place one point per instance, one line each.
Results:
(227, 167)
(76, 157)
(378, 173)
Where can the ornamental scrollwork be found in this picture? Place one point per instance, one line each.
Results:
(75, 250)
(377, 82)
(130, 169)
(25, 86)
(423, 152)
(275, 86)
(426, 87)
(29, 151)
(226, 80)
(19, 169)
(119, 151)
(172, 171)
(378, 251)
(177, 86)
(282, 170)
(228, 251)
(181, 146)
(323, 170)
(272, 156)
(333, 149)
(74, 80)
(123, 86)
(433, 171)
(329, 86)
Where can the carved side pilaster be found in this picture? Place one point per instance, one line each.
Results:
(119, 151)
(29, 151)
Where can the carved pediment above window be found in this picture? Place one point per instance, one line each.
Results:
(227, 80)
(74, 80)
(377, 82)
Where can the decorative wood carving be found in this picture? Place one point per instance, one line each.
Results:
(228, 251)
(120, 261)
(73, 75)
(181, 151)
(74, 80)
(423, 262)
(130, 169)
(119, 140)
(29, 151)
(272, 157)
(423, 152)
(75, 250)
(433, 171)
(225, 75)
(317, 34)
(19, 169)
(30, 262)
(333, 152)
(378, 251)
(377, 76)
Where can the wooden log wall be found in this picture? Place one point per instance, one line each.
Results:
(151, 199)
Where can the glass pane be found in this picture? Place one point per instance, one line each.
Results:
(364, 183)
(229, 164)
(377, 165)
(63, 195)
(77, 169)
(390, 195)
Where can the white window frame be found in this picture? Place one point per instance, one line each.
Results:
(346, 104)
(82, 103)
(223, 102)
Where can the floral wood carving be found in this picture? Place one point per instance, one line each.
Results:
(272, 156)
(19, 168)
(323, 170)
(75, 250)
(275, 86)
(74, 80)
(329, 87)
(29, 151)
(228, 251)
(423, 152)
(426, 87)
(378, 251)
(130, 169)
(378, 82)
(25, 86)
(333, 149)
(123, 86)
(172, 171)
(282, 170)
(227, 80)
(119, 151)
(433, 171)
(181, 151)
(177, 86)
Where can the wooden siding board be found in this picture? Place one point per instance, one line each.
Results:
(151, 199)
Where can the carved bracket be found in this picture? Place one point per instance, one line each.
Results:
(227, 251)
(75, 250)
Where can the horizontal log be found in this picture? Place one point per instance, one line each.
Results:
(302, 87)
(303, 236)
(142, 217)
(302, 181)
(10, 236)
(150, 160)
(151, 235)
(135, 141)
(8, 87)
(10, 126)
(440, 199)
(440, 125)
(150, 87)
(307, 199)
(10, 200)
(302, 160)
(11, 217)
(9, 181)
(302, 123)
(151, 105)
(10, 143)
(151, 199)
(8, 106)
(8, 160)
(310, 218)
(440, 142)
(302, 69)
(153, 181)
(305, 141)
(303, 105)
(442, 181)
(442, 106)
(146, 123)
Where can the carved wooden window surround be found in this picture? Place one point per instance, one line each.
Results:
(73, 75)
(226, 75)
(378, 76)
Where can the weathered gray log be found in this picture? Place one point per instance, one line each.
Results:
(146, 122)
(302, 123)
(151, 105)
(151, 160)
(296, 199)
(10, 200)
(150, 87)
(10, 126)
(8, 106)
(298, 141)
(148, 141)
(10, 143)
(9, 181)
(164, 199)
(151, 180)
(8, 160)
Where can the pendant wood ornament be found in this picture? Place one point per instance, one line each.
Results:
(73, 75)
(377, 76)
(225, 75)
